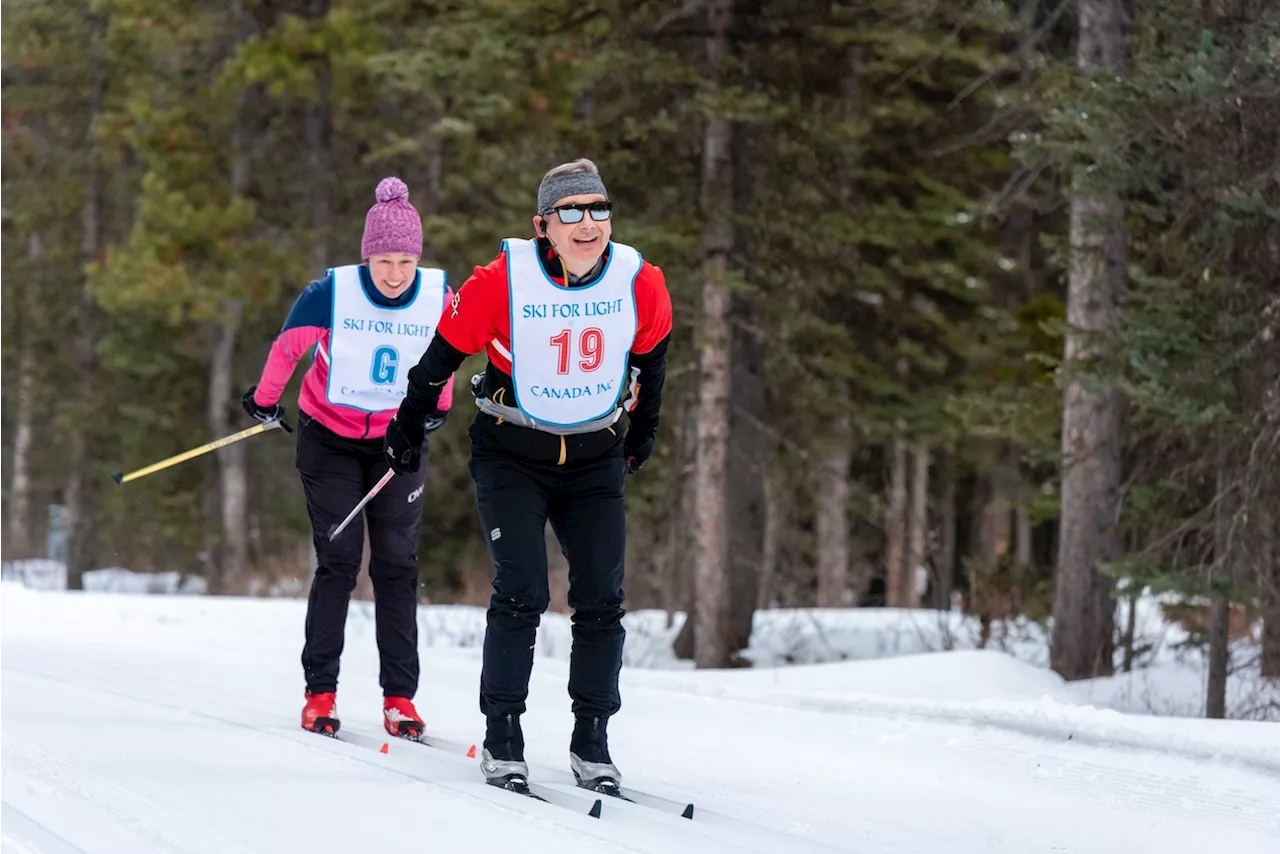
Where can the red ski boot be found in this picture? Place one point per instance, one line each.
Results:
(401, 718)
(320, 714)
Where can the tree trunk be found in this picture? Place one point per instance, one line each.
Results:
(1271, 619)
(832, 525)
(992, 596)
(749, 447)
(945, 566)
(81, 490)
(895, 521)
(319, 140)
(997, 522)
(681, 590)
(233, 475)
(833, 520)
(712, 610)
(232, 559)
(1131, 628)
(1267, 519)
(1215, 705)
(18, 541)
(1018, 520)
(1022, 555)
(1264, 511)
(1083, 611)
(745, 500)
(767, 592)
(1222, 575)
(918, 527)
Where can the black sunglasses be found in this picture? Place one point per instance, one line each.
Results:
(572, 214)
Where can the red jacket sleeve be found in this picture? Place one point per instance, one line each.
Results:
(476, 314)
(653, 308)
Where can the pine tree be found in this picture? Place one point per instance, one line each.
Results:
(1091, 425)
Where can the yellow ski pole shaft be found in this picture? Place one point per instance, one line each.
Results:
(122, 478)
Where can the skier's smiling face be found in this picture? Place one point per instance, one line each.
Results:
(579, 243)
(393, 273)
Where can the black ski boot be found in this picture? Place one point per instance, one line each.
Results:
(589, 756)
(503, 762)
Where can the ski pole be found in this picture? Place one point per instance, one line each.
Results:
(377, 487)
(122, 478)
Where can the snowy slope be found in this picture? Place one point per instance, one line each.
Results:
(169, 724)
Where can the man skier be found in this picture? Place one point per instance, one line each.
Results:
(576, 329)
(364, 324)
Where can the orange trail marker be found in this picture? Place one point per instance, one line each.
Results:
(384, 748)
(471, 754)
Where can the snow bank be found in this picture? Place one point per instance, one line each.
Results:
(35, 574)
(965, 676)
(798, 648)
(52, 575)
(782, 636)
(991, 689)
(1177, 688)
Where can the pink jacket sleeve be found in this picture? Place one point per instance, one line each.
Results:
(289, 347)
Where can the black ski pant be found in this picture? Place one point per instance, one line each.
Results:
(584, 504)
(336, 473)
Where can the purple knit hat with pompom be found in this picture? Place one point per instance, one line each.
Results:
(392, 225)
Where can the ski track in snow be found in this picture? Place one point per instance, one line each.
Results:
(22, 835)
(423, 765)
(128, 734)
(418, 763)
(153, 825)
(1176, 795)
(85, 784)
(1174, 791)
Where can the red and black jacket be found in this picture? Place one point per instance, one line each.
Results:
(479, 315)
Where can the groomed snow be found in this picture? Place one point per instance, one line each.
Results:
(142, 724)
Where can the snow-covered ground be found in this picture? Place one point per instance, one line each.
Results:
(133, 723)
(1169, 676)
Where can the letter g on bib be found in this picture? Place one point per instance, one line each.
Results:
(386, 360)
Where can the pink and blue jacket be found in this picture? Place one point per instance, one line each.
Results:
(307, 329)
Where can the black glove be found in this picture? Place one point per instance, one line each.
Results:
(403, 444)
(637, 453)
(275, 412)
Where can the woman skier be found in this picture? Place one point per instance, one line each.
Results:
(365, 325)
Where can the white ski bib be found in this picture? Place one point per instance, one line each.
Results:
(569, 346)
(372, 347)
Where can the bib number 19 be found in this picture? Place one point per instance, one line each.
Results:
(590, 347)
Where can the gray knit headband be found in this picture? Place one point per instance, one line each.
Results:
(552, 190)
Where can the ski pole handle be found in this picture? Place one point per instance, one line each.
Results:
(377, 487)
(121, 478)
